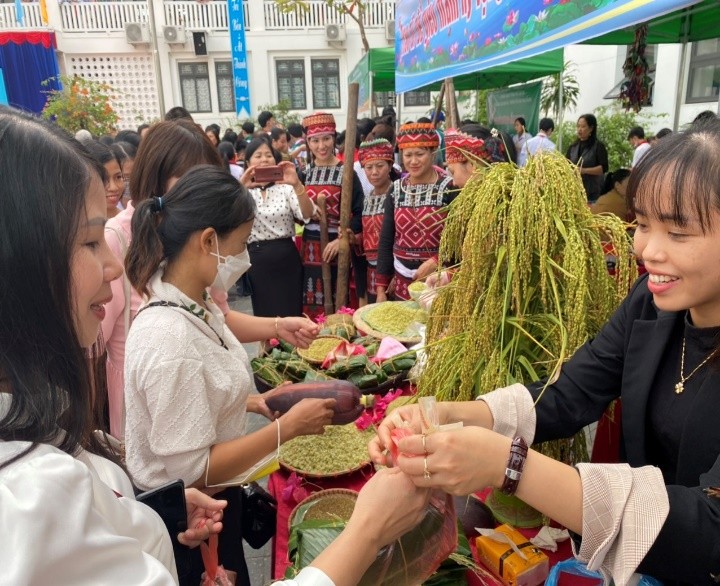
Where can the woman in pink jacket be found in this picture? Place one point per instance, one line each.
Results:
(165, 154)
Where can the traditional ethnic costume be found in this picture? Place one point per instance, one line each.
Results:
(327, 181)
(461, 147)
(413, 220)
(374, 209)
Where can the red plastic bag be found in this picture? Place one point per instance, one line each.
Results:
(215, 574)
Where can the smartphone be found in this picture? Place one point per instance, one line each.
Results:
(268, 174)
(168, 501)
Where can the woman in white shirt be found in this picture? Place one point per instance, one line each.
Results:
(67, 509)
(187, 377)
(276, 274)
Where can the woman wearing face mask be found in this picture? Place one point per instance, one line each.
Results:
(188, 379)
(168, 150)
(412, 224)
(276, 273)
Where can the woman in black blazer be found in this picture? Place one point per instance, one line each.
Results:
(660, 353)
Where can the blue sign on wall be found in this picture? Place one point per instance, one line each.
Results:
(3, 93)
(239, 58)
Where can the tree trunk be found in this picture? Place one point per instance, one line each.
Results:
(361, 25)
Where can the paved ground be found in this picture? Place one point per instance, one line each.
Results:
(258, 560)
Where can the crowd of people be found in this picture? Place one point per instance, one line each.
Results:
(118, 381)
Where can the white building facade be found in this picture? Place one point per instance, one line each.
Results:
(163, 53)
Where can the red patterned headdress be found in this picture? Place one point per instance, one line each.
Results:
(460, 146)
(319, 123)
(376, 150)
(418, 135)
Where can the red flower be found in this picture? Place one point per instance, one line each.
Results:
(488, 41)
(513, 17)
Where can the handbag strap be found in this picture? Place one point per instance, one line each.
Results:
(177, 305)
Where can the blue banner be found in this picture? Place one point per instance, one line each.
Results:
(436, 39)
(239, 58)
(3, 93)
(19, 14)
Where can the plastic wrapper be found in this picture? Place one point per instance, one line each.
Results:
(410, 560)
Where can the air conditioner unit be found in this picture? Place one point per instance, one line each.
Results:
(174, 34)
(334, 32)
(137, 33)
(390, 30)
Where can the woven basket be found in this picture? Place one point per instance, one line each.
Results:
(334, 441)
(333, 474)
(304, 352)
(333, 501)
(367, 329)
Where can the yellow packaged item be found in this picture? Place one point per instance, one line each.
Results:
(511, 557)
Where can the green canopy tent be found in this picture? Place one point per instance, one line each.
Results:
(376, 73)
(381, 64)
(698, 22)
(695, 23)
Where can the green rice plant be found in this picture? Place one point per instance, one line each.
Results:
(531, 284)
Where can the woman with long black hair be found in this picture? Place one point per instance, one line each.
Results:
(68, 513)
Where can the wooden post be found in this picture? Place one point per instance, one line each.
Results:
(438, 107)
(326, 272)
(451, 100)
(343, 278)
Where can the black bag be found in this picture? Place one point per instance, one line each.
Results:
(259, 515)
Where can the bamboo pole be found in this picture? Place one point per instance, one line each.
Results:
(452, 103)
(438, 107)
(343, 278)
(326, 271)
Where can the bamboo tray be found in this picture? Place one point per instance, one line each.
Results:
(330, 503)
(363, 326)
(325, 444)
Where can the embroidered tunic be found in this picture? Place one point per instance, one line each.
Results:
(327, 181)
(412, 226)
(372, 220)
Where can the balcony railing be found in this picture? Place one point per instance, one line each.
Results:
(31, 17)
(94, 17)
(318, 14)
(212, 16)
(103, 17)
(378, 12)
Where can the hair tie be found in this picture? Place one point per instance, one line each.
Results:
(158, 204)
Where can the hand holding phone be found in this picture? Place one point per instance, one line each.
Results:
(268, 174)
(168, 501)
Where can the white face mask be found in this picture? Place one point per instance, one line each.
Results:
(230, 268)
